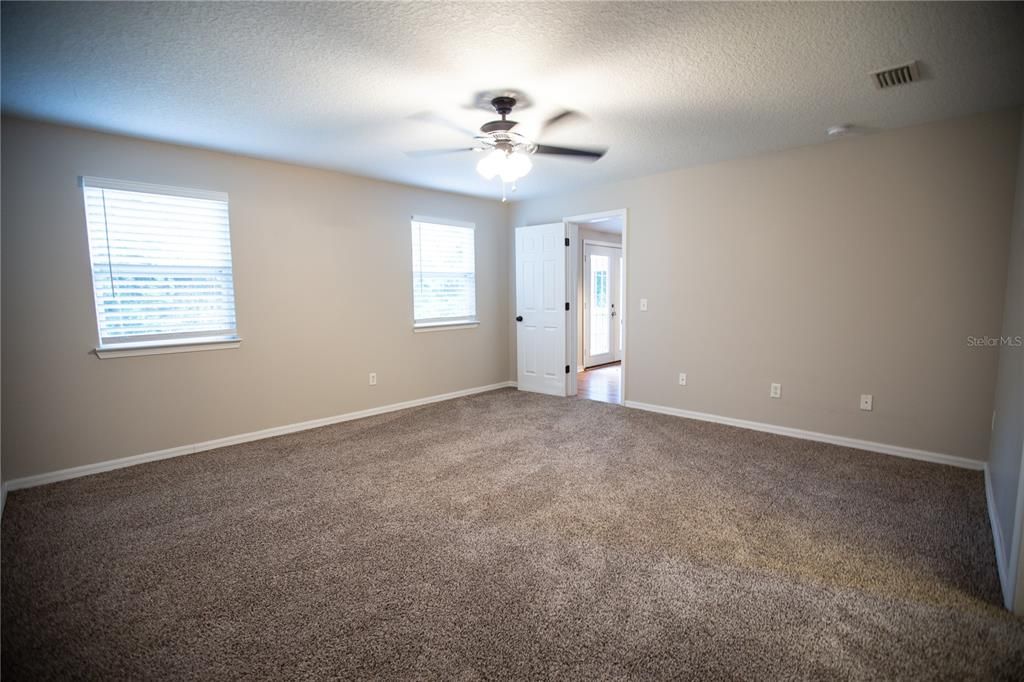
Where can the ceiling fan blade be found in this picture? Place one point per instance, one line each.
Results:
(438, 119)
(438, 152)
(560, 118)
(582, 154)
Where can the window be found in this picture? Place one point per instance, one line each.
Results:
(443, 273)
(161, 265)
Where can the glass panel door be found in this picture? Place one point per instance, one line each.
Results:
(600, 305)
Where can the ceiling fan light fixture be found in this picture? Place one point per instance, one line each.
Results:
(509, 166)
(506, 151)
(517, 165)
(491, 164)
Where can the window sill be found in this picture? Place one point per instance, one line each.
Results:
(128, 350)
(445, 326)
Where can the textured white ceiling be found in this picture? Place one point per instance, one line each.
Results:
(664, 85)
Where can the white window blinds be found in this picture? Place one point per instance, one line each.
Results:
(443, 272)
(161, 263)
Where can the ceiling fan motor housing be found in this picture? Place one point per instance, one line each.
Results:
(503, 105)
(504, 125)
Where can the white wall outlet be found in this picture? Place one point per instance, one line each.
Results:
(682, 378)
(643, 305)
(866, 401)
(373, 378)
(776, 391)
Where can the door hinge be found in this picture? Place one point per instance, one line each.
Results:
(567, 369)
(566, 305)
(567, 241)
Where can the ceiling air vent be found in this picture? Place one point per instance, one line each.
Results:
(897, 75)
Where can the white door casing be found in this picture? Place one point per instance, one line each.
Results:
(540, 302)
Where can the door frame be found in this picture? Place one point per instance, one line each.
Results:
(616, 337)
(1013, 580)
(574, 270)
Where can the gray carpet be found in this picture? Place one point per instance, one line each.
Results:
(509, 535)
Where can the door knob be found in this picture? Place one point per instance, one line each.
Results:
(519, 318)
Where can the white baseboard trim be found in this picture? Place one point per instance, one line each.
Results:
(871, 446)
(997, 539)
(122, 462)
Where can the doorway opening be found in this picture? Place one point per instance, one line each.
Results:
(571, 307)
(597, 272)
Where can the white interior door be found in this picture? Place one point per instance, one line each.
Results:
(602, 304)
(540, 308)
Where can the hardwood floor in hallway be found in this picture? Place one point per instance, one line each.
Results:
(603, 383)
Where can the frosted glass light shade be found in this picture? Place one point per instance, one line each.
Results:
(491, 165)
(510, 167)
(517, 165)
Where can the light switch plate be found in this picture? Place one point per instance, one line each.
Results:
(643, 305)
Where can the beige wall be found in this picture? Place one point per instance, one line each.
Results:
(323, 286)
(857, 266)
(1008, 428)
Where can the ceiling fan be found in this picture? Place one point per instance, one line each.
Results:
(508, 151)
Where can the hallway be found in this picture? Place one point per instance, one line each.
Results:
(603, 383)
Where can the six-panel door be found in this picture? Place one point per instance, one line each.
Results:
(540, 302)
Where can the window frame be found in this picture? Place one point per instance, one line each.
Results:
(444, 323)
(183, 344)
